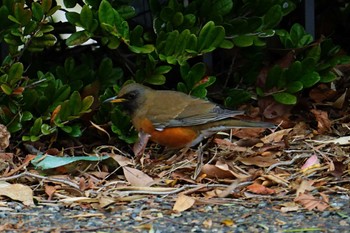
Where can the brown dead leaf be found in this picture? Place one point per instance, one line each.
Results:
(310, 202)
(260, 189)
(339, 169)
(4, 137)
(276, 136)
(305, 185)
(137, 178)
(247, 132)
(274, 110)
(260, 161)
(17, 192)
(220, 172)
(121, 160)
(321, 93)
(183, 202)
(289, 207)
(339, 103)
(50, 190)
(323, 122)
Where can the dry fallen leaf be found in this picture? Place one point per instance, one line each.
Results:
(4, 137)
(288, 207)
(50, 190)
(137, 178)
(310, 202)
(323, 122)
(341, 141)
(260, 189)
(311, 163)
(305, 185)
(260, 161)
(17, 192)
(276, 136)
(183, 203)
(217, 171)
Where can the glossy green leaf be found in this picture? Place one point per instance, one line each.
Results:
(36, 128)
(22, 15)
(75, 103)
(243, 40)
(127, 11)
(46, 5)
(15, 72)
(106, 13)
(38, 12)
(210, 36)
(87, 103)
(26, 116)
(162, 69)
(272, 18)
(328, 77)
(226, 44)
(78, 38)
(6, 89)
(177, 19)
(285, 98)
(46, 40)
(294, 87)
(73, 18)
(222, 7)
(148, 48)
(45, 129)
(62, 93)
(53, 10)
(67, 129)
(166, 14)
(86, 17)
(76, 131)
(70, 3)
(156, 79)
(14, 127)
(310, 79)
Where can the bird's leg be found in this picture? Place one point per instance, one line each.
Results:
(140, 145)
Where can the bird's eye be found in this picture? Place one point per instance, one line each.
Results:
(131, 95)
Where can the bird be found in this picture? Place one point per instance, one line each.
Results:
(174, 119)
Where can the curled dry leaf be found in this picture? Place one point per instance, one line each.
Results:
(323, 122)
(183, 202)
(4, 137)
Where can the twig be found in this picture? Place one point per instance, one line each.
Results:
(283, 163)
(28, 174)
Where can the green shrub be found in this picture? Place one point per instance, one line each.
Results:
(49, 84)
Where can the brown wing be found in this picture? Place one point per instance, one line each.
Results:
(178, 109)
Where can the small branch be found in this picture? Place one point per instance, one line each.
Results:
(28, 174)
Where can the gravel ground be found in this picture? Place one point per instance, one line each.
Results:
(154, 214)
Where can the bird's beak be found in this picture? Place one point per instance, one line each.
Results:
(115, 99)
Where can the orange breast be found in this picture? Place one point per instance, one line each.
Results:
(176, 137)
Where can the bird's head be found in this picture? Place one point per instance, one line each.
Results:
(130, 97)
